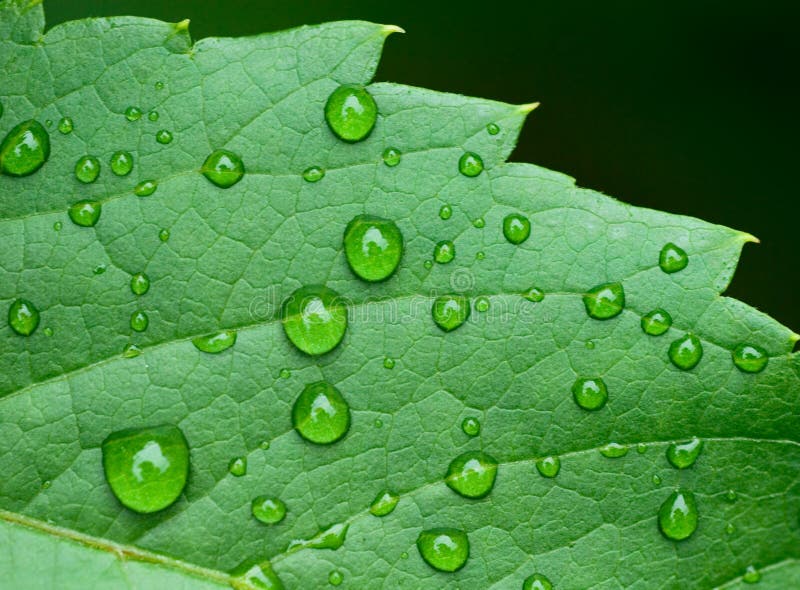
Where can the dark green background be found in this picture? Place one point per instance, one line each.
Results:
(689, 107)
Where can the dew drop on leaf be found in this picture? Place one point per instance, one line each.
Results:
(351, 112)
(140, 283)
(223, 168)
(428, 264)
(153, 116)
(445, 212)
(482, 304)
(248, 576)
(23, 317)
(285, 373)
(335, 578)
(470, 164)
(87, 169)
(656, 479)
(677, 517)
(133, 113)
(388, 363)
(534, 295)
(749, 358)
(444, 549)
(48, 331)
(613, 450)
(493, 128)
(672, 258)
(590, 394)
(314, 319)
(159, 85)
(146, 468)
(65, 125)
(237, 466)
(373, 247)
(537, 582)
(656, 322)
(548, 466)
(121, 163)
(450, 311)
(391, 156)
(384, 503)
(24, 149)
(605, 301)
(516, 228)
(686, 352)
(479, 223)
(85, 213)
(163, 136)
(131, 351)
(472, 474)
(641, 448)
(444, 252)
(751, 575)
(320, 414)
(145, 188)
(731, 495)
(471, 426)
(313, 174)
(267, 509)
(682, 455)
(139, 321)
(163, 235)
(331, 538)
(216, 342)
(57, 226)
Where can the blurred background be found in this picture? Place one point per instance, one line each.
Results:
(685, 106)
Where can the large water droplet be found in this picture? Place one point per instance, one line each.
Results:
(85, 213)
(614, 450)
(216, 342)
(656, 322)
(268, 510)
(677, 517)
(470, 164)
(146, 467)
(65, 125)
(534, 294)
(391, 156)
(163, 136)
(516, 228)
(590, 394)
(605, 301)
(260, 575)
(751, 575)
(314, 319)
(472, 474)
(331, 538)
(445, 212)
(548, 466)
(321, 414)
(444, 549)
(139, 321)
(24, 149)
(471, 426)
(223, 168)
(444, 252)
(493, 128)
(23, 317)
(750, 358)
(537, 582)
(450, 311)
(686, 352)
(133, 113)
(373, 247)
(87, 169)
(672, 258)
(684, 454)
(313, 174)
(351, 112)
(140, 283)
(237, 466)
(145, 188)
(384, 503)
(121, 163)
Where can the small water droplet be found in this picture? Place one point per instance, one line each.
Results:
(24, 149)
(121, 163)
(133, 113)
(373, 247)
(537, 582)
(378, 423)
(331, 538)
(444, 252)
(163, 235)
(751, 575)
(444, 549)
(482, 303)
(384, 503)
(23, 317)
(749, 358)
(285, 373)
(248, 576)
(730, 528)
(335, 578)
(313, 174)
(145, 188)
(493, 128)
(57, 226)
(677, 517)
(65, 125)
(604, 301)
(641, 448)
(471, 426)
(731, 495)
(264, 446)
(672, 258)
(48, 123)
(548, 466)
(686, 352)
(613, 450)
(480, 255)
(223, 168)
(534, 294)
(388, 363)
(216, 342)
(146, 468)
(428, 264)
(153, 116)
(267, 509)
(656, 479)
(139, 321)
(159, 85)
(163, 136)
(314, 319)
(131, 351)
(656, 322)
(589, 345)
(450, 311)
(351, 112)
(590, 394)
(237, 466)
(140, 283)
(48, 331)
(391, 156)
(470, 164)
(46, 484)
(683, 454)
(85, 213)
(404, 555)
(445, 212)
(472, 474)
(479, 223)
(516, 228)
(320, 414)
(87, 169)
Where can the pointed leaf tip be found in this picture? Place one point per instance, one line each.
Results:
(389, 29)
(527, 108)
(183, 25)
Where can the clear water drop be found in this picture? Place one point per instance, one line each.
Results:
(750, 358)
(373, 247)
(534, 295)
(267, 509)
(493, 128)
(444, 252)
(85, 213)
(261, 576)
(48, 331)
(590, 393)
(516, 228)
(730, 528)
(331, 538)
(313, 174)
(604, 301)
(686, 352)
(388, 363)
(548, 466)
(482, 304)
(285, 373)
(537, 582)
(470, 164)
(682, 455)
(672, 258)
(450, 311)
(65, 125)
(445, 212)
(444, 549)
(479, 223)
(121, 163)
(216, 342)
(139, 321)
(163, 235)
(751, 575)
(471, 426)
(480, 255)
(24, 149)
(237, 466)
(351, 112)
(57, 226)
(87, 169)
(131, 351)
(384, 503)
(613, 450)
(153, 116)
(223, 168)
(164, 136)
(145, 188)
(320, 414)
(656, 479)
(23, 317)
(133, 113)
(656, 322)
(391, 156)
(335, 578)
(314, 319)
(472, 474)
(140, 283)
(678, 516)
(159, 85)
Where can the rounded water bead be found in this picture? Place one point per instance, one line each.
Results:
(444, 549)
(472, 474)
(388, 363)
(335, 578)
(131, 351)
(267, 509)
(163, 235)
(351, 112)
(85, 213)
(237, 466)
(613, 450)
(163, 136)
(604, 301)
(493, 128)
(384, 503)
(57, 226)
(479, 223)
(223, 168)
(537, 582)
(140, 283)
(139, 321)
(121, 163)
(482, 304)
(153, 116)
(133, 113)
(516, 228)
(672, 258)
(321, 414)
(391, 156)
(23, 317)
(445, 212)
(471, 426)
(751, 575)
(145, 188)
(683, 454)
(65, 125)
(534, 294)
(314, 319)
(548, 466)
(313, 174)
(590, 394)
(686, 352)
(444, 252)
(24, 149)
(216, 342)
(450, 311)
(373, 247)
(677, 517)
(656, 322)
(470, 164)
(749, 358)
(87, 169)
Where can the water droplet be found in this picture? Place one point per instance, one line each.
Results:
(153, 116)
(378, 423)
(686, 352)
(215, 343)
(146, 467)
(65, 125)
(163, 235)
(140, 283)
(384, 503)
(428, 264)
(223, 168)
(391, 156)
(373, 247)
(264, 446)
(731, 495)
(589, 345)
(163, 136)
(656, 479)
(314, 319)
(48, 331)
(139, 321)
(268, 510)
(260, 575)
(548, 466)
(470, 164)
(285, 373)
(145, 188)
(750, 358)
(590, 394)
(444, 252)
(313, 174)
(471, 426)
(482, 303)
(23, 317)
(493, 128)
(751, 575)
(479, 223)
(331, 538)
(730, 528)
(450, 311)
(480, 255)
(133, 113)
(641, 448)
(159, 85)
(537, 582)
(534, 294)
(335, 578)
(472, 474)
(121, 163)
(683, 454)
(85, 213)
(604, 301)
(656, 322)
(237, 466)
(404, 555)
(614, 450)
(444, 549)
(677, 517)
(321, 414)
(388, 363)
(46, 484)
(57, 226)
(131, 351)
(516, 228)
(351, 112)
(672, 258)
(24, 149)
(87, 169)
(48, 123)
(445, 212)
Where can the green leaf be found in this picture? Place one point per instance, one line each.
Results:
(233, 255)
